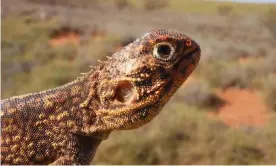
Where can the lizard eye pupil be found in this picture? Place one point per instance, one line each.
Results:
(163, 51)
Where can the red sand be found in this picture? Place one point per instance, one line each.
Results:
(64, 39)
(243, 107)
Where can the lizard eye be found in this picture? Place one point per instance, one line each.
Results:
(163, 51)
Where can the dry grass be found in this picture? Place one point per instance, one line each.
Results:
(153, 5)
(225, 10)
(270, 91)
(121, 4)
(27, 54)
(225, 74)
(270, 21)
(68, 3)
(201, 6)
(199, 94)
(181, 134)
(197, 6)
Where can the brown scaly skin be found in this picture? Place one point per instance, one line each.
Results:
(65, 125)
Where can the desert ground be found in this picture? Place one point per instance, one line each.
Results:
(225, 113)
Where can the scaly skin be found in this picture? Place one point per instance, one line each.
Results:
(65, 125)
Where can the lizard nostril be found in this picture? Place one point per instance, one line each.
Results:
(124, 92)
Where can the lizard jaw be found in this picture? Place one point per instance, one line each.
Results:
(128, 117)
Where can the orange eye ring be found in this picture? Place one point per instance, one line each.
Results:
(189, 43)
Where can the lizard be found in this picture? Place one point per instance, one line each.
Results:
(65, 125)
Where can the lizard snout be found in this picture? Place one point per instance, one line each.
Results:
(188, 64)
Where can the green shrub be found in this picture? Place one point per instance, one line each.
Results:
(245, 154)
(199, 94)
(270, 91)
(270, 21)
(225, 74)
(150, 5)
(224, 10)
(121, 4)
(68, 3)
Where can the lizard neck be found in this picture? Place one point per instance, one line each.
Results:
(69, 107)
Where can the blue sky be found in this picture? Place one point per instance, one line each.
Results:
(256, 1)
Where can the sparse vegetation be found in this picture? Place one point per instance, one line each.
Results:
(153, 4)
(270, 91)
(199, 94)
(68, 3)
(27, 53)
(225, 74)
(183, 133)
(187, 137)
(225, 10)
(270, 21)
(121, 4)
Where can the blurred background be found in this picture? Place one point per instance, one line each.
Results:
(223, 114)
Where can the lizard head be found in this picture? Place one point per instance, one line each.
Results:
(138, 81)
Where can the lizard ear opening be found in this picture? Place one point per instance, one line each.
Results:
(125, 92)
